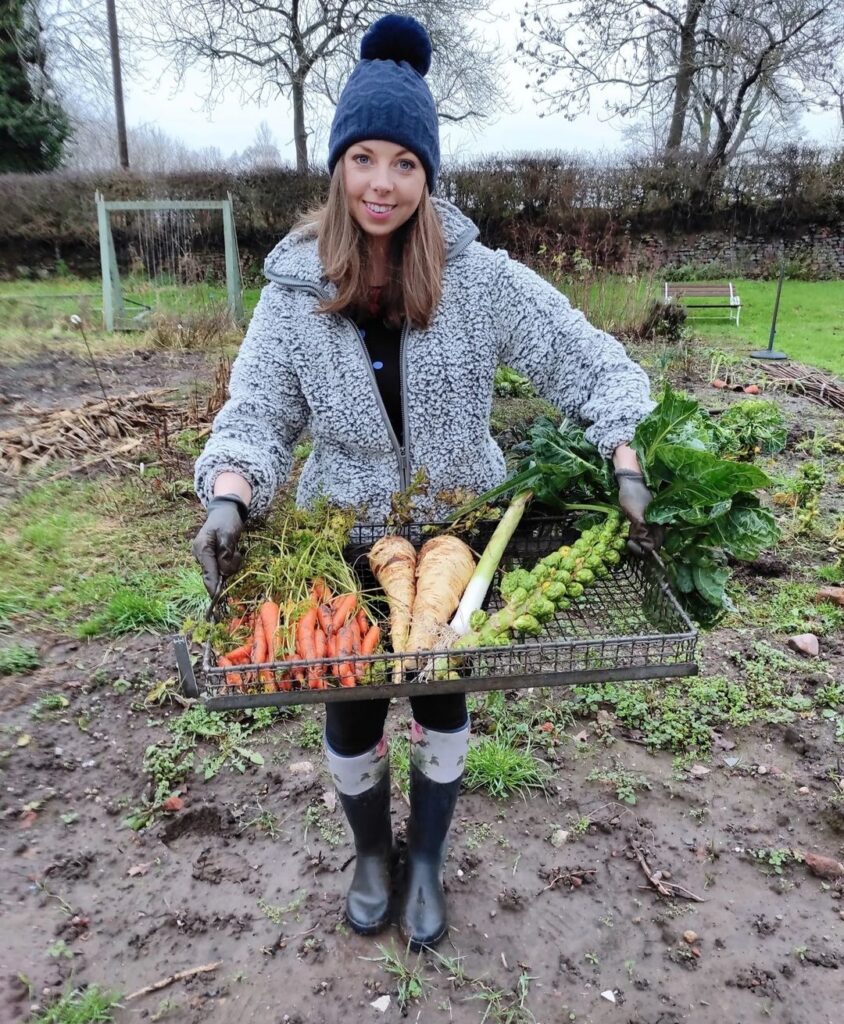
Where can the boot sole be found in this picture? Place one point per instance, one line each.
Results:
(368, 929)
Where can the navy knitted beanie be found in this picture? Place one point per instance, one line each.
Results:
(386, 96)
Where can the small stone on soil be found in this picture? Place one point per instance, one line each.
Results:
(806, 644)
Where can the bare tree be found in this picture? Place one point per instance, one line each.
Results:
(302, 50)
(709, 70)
(262, 153)
(153, 151)
(77, 36)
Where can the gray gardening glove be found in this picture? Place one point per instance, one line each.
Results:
(634, 498)
(215, 546)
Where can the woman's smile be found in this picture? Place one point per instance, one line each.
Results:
(380, 211)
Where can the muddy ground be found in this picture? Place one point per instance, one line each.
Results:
(84, 899)
(52, 379)
(129, 909)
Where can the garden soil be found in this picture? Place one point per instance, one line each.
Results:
(573, 931)
(86, 899)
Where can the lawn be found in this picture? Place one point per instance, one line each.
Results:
(810, 325)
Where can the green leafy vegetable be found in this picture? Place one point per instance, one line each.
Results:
(708, 503)
(751, 427)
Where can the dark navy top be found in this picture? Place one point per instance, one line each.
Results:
(383, 345)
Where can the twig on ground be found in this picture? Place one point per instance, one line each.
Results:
(178, 976)
(662, 887)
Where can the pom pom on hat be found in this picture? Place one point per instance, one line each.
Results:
(387, 96)
(397, 38)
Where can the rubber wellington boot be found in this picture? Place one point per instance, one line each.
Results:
(423, 915)
(368, 898)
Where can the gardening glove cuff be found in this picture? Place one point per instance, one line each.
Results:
(215, 546)
(634, 498)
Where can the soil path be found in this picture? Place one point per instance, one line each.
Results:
(56, 380)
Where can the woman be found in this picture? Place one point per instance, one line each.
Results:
(380, 331)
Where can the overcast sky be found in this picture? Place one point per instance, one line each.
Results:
(232, 125)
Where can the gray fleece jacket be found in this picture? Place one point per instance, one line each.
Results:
(300, 369)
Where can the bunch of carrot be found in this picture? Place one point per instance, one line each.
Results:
(329, 631)
(333, 628)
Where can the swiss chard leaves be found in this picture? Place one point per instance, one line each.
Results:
(707, 503)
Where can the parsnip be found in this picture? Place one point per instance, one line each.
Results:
(443, 569)
(393, 563)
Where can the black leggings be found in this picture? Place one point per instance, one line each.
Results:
(352, 727)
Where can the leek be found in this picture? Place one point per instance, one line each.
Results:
(479, 584)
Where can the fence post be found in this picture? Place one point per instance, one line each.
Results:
(105, 262)
(233, 286)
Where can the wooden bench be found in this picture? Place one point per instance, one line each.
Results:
(683, 291)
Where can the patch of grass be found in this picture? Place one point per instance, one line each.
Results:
(185, 593)
(39, 312)
(832, 573)
(680, 716)
(132, 608)
(502, 769)
(10, 604)
(503, 1007)
(17, 658)
(410, 983)
(91, 1005)
(68, 548)
(810, 314)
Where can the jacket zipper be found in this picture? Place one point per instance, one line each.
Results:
(400, 450)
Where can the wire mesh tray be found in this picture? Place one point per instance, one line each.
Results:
(626, 626)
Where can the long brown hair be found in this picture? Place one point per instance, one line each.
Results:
(414, 267)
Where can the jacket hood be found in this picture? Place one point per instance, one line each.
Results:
(296, 256)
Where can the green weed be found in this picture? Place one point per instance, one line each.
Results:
(277, 914)
(681, 716)
(309, 734)
(773, 861)
(400, 763)
(502, 769)
(504, 1007)
(624, 782)
(791, 608)
(91, 1005)
(17, 658)
(47, 703)
(410, 983)
(478, 833)
(330, 829)
(168, 764)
